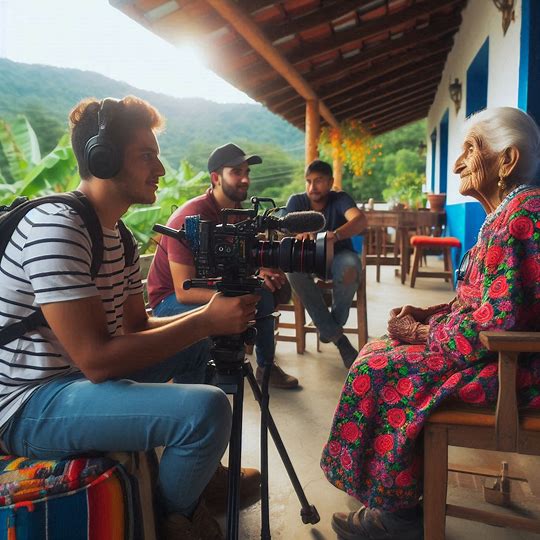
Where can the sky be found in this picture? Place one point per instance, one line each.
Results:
(91, 35)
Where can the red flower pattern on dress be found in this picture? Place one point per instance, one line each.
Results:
(484, 313)
(381, 465)
(472, 393)
(350, 431)
(361, 384)
(462, 344)
(494, 256)
(378, 362)
(390, 395)
(521, 227)
(499, 288)
(383, 444)
(396, 417)
(405, 387)
(367, 406)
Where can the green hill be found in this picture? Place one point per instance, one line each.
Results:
(45, 94)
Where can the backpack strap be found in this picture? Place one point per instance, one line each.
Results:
(16, 212)
(128, 243)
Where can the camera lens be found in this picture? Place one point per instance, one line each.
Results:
(292, 255)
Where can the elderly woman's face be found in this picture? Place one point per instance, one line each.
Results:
(477, 166)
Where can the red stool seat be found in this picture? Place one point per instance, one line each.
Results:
(435, 241)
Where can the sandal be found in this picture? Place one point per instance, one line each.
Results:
(370, 524)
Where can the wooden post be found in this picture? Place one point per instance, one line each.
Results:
(337, 168)
(312, 130)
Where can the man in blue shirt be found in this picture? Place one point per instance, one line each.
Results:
(343, 221)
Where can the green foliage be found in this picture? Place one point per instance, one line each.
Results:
(393, 154)
(405, 188)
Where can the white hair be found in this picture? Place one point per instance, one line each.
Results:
(502, 127)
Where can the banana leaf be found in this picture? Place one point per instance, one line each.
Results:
(20, 146)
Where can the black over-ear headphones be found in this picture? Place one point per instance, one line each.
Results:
(102, 156)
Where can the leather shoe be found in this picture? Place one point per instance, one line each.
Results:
(278, 378)
(215, 493)
(201, 526)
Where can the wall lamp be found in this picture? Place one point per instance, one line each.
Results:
(455, 93)
(506, 7)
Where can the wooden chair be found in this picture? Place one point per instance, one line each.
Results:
(300, 328)
(502, 428)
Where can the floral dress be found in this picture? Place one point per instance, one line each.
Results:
(373, 452)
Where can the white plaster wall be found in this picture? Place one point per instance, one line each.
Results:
(480, 19)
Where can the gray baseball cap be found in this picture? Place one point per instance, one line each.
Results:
(230, 155)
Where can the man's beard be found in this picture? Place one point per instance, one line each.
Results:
(233, 194)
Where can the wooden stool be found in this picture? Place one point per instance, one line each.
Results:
(445, 243)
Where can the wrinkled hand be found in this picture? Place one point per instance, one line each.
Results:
(407, 330)
(274, 278)
(230, 315)
(420, 315)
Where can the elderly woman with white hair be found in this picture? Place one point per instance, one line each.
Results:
(431, 354)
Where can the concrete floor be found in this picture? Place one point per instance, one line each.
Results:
(303, 418)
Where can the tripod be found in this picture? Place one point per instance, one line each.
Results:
(227, 352)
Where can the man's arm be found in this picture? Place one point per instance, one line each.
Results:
(136, 319)
(81, 327)
(356, 224)
(181, 273)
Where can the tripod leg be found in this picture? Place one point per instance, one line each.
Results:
(265, 504)
(308, 513)
(235, 459)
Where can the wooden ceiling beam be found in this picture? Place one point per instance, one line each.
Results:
(384, 119)
(416, 55)
(323, 15)
(399, 123)
(387, 123)
(363, 32)
(374, 83)
(420, 37)
(396, 107)
(377, 93)
(369, 30)
(243, 24)
(420, 90)
(388, 82)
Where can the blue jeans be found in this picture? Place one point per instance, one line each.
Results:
(71, 416)
(197, 356)
(329, 323)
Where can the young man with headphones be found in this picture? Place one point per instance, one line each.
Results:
(84, 381)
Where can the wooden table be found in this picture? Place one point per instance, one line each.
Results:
(402, 221)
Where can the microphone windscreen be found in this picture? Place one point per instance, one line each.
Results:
(300, 222)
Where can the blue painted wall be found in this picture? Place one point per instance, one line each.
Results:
(443, 161)
(477, 81)
(529, 60)
(464, 221)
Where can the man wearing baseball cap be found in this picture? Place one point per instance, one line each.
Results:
(173, 263)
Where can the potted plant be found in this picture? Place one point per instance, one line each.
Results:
(436, 201)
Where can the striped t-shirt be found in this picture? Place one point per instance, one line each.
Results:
(48, 260)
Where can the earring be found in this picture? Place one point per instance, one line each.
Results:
(501, 183)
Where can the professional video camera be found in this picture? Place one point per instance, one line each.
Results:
(227, 255)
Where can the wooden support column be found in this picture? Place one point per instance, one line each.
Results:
(337, 167)
(313, 124)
